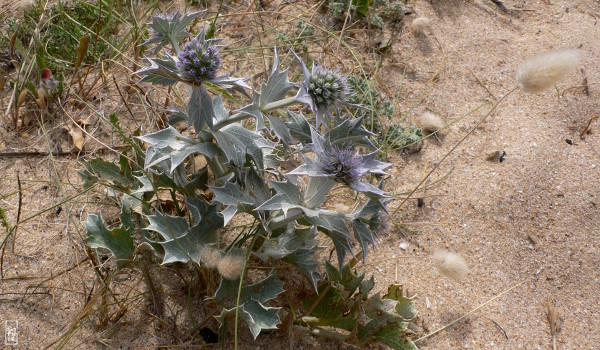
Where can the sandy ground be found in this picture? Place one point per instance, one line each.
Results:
(530, 223)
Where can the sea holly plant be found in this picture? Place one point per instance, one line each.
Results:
(216, 171)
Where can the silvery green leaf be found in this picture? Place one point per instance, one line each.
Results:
(182, 242)
(176, 116)
(368, 189)
(119, 241)
(334, 226)
(128, 203)
(252, 298)
(227, 82)
(256, 315)
(316, 191)
(299, 127)
(160, 71)
(97, 169)
(277, 86)
(253, 110)
(167, 28)
(281, 130)
(236, 142)
(262, 291)
(221, 113)
(168, 137)
(347, 130)
(288, 190)
(232, 196)
(274, 89)
(372, 206)
(363, 235)
(200, 108)
(146, 185)
(297, 247)
(169, 143)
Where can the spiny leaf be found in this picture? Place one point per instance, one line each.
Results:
(119, 241)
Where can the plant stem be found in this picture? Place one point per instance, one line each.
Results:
(239, 294)
(269, 107)
(282, 220)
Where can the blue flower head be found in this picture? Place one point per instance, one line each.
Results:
(342, 163)
(323, 90)
(198, 61)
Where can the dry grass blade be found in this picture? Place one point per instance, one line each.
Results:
(555, 322)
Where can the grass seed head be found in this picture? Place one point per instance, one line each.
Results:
(450, 264)
(430, 122)
(230, 266)
(545, 70)
(210, 257)
(420, 25)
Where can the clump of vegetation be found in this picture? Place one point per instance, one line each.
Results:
(243, 174)
(379, 118)
(64, 25)
(299, 42)
(372, 11)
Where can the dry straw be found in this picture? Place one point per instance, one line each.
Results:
(545, 70)
(231, 266)
(450, 264)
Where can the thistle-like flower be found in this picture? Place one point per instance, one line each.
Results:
(323, 90)
(545, 70)
(341, 162)
(198, 61)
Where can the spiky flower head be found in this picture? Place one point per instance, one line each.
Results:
(323, 90)
(545, 70)
(198, 61)
(327, 87)
(342, 163)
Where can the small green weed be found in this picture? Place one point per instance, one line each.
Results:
(376, 11)
(65, 24)
(390, 136)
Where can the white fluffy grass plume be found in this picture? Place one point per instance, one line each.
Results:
(545, 70)
(450, 264)
(210, 257)
(431, 122)
(420, 25)
(230, 266)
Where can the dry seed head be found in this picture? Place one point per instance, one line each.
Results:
(231, 266)
(419, 25)
(545, 70)
(210, 257)
(431, 122)
(450, 264)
